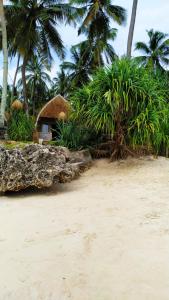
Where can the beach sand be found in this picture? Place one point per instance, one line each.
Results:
(104, 236)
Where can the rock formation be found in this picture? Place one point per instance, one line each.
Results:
(36, 166)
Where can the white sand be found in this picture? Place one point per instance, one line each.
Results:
(102, 237)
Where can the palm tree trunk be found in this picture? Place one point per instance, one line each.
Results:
(33, 99)
(24, 85)
(131, 29)
(5, 64)
(15, 76)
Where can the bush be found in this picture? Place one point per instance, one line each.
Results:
(75, 136)
(20, 126)
(129, 103)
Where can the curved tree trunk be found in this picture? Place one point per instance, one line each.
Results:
(5, 64)
(131, 29)
(24, 85)
(15, 76)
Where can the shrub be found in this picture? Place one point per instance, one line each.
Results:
(129, 103)
(20, 126)
(75, 136)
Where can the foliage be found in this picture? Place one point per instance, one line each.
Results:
(10, 145)
(32, 25)
(127, 102)
(32, 28)
(60, 84)
(97, 16)
(156, 52)
(38, 81)
(87, 56)
(79, 68)
(100, 49)
(20, 126)
(75, 136)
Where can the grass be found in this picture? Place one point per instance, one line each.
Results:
(9, 145)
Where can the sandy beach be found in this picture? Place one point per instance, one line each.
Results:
(104, 236)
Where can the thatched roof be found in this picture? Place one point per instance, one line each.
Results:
(17, 104)
(53, 108)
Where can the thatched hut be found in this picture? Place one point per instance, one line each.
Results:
(46, 124)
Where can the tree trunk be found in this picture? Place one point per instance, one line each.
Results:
(5, 64)
(131, 29)
(33, 99)
(24, 85)
(15, 76)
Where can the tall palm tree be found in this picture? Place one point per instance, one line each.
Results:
(156, 52)
(131, 28)
(34, 26)
(88, 55)
(97, 15)
(15, 77)
(5, 63)
(100, 49)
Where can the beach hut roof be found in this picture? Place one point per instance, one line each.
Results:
(53, 108)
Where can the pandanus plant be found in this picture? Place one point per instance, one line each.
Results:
(126, 102)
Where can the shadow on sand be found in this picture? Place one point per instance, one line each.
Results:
(56, 189)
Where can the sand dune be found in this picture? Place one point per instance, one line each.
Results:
(104, 236)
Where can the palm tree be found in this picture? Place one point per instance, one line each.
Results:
(61, 84)
(88, 55)
(5, 64)
(15, 77)
(37, 81)
(33, 24)
(131, 28)
(79, 67)
(100, 49)
(97, 16)
(156, 52)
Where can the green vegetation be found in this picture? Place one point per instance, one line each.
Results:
(118, 102)
(128, 103)
(76, 136)
(20, 126)
(43, 18)
(14, 145)
(156, 52)
(37, 80)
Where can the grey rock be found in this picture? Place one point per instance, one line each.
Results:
(82, 159)
(35, 166)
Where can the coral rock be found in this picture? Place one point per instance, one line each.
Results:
(35, 166)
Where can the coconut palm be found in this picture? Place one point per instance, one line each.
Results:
(34, 26)
(5, 63)
(100, 49)
(96, 27)
(15, 77)
(156, 51)
(61, 84)
(37, 81)
(97, 16)
(131, 28)
(88, 55)
(79, 67)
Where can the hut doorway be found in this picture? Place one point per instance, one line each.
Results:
(47, 123)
